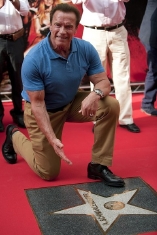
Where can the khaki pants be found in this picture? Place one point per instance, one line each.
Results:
(39, 154)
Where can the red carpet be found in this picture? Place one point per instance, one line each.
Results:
(134, 156)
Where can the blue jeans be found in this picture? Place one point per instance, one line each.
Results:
(150, 91)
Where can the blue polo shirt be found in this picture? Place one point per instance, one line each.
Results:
(44, 69)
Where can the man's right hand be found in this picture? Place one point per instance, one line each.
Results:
(58, 148)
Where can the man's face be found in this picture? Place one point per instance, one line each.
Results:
(63, 28)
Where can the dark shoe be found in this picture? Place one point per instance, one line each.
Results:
(18, 118)
(1, 126)
(7, 148)
(97, 171)
(131, 127)
(150, 111)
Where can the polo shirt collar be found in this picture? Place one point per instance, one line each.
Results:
(52, 54)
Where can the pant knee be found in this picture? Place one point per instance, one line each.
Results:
(115, 107)
(49, 174)
(112, 105)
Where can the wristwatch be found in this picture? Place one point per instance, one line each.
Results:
(99, 92)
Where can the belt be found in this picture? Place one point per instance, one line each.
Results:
(53, 110)
(105, 28)
(13, 36)
(56, 110)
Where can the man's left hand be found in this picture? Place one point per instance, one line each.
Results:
(89, 105)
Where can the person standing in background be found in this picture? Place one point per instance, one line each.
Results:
(12, 53)
(148, 37)
(103, 23)
(40, 22)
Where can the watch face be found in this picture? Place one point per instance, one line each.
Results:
(99, 92)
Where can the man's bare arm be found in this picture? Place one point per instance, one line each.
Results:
(42, 118)
(101, 82)
(89, 105)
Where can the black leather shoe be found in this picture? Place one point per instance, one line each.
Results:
(97, 171)
(7, 148)
(131, 127)
(1, 126)
(18, 118)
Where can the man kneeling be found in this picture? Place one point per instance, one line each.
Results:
(51, 75)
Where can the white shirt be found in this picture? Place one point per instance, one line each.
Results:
(10, 17)
(102, 12)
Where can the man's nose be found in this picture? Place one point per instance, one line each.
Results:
(62, 29)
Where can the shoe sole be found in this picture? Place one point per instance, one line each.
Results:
(143, 111)
(149, 114)
(106, 183)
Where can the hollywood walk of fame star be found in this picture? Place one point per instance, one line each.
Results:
(106, 210)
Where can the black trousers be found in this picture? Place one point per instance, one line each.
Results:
(12, 54)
